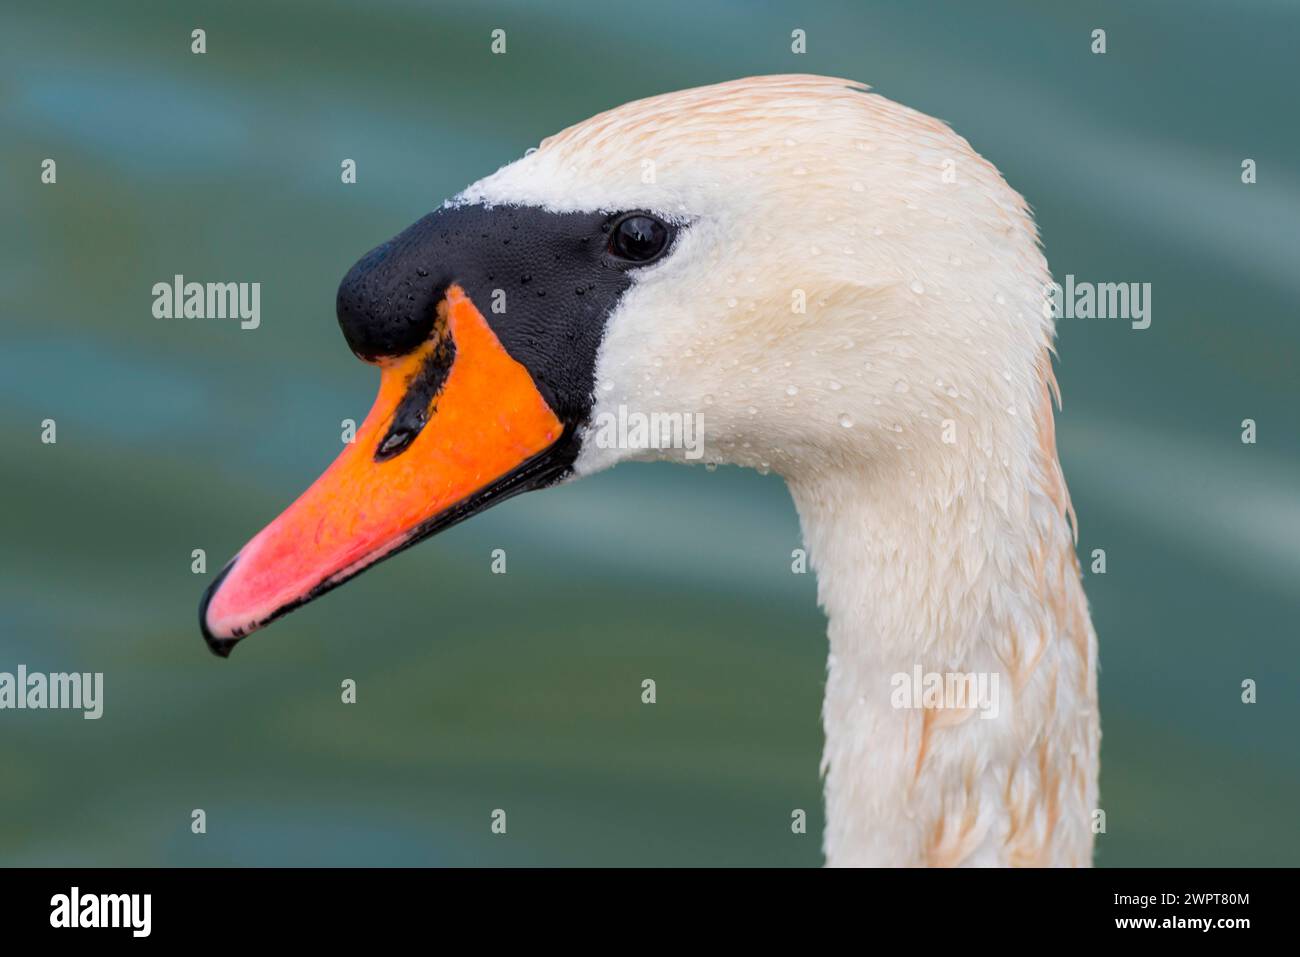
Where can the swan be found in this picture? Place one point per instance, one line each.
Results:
(846, 294)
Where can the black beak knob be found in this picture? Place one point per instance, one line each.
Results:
(388, 301)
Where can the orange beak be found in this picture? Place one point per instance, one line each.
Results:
(458, 424)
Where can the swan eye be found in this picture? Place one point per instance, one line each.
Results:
(638, 238)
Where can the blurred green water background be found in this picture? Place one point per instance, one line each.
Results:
(521, 691)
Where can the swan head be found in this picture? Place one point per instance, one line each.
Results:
(811, 275)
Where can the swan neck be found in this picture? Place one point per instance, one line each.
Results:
(960, 710)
